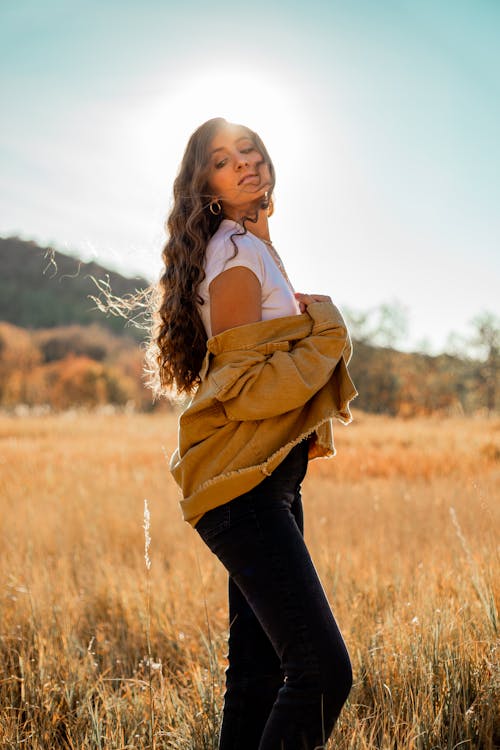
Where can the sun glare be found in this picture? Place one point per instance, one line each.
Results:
(253, 98)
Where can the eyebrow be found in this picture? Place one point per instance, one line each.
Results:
(241, 138)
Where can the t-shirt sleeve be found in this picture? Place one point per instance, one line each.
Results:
(220, 258)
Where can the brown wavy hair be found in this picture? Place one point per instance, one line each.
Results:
(178, 339)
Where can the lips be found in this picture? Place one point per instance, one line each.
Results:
(248, 178)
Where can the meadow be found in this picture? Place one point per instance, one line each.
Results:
(100, 651)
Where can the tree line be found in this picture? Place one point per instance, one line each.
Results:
(89, 366)
(464, 378)
(57, 350)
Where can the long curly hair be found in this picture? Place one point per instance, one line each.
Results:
(178, 339)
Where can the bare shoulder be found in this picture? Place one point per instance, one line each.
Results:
(235, 299)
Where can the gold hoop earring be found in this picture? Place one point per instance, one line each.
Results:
(215, 208)
(268, 203)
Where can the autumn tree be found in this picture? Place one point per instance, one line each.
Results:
(485, 340)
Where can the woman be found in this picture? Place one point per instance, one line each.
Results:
(267, 368)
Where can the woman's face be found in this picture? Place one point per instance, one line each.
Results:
(238, 175)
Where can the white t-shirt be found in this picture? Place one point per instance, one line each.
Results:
(277, 296)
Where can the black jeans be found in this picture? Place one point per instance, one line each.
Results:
(289, 672)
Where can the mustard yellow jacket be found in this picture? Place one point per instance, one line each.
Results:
(264, 387)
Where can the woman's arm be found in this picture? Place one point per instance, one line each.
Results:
(235, 299)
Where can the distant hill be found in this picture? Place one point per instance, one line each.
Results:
(43, 288)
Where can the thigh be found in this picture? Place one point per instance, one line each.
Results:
(273, 568)
(258, 540)
(249, 646)
(250, 650)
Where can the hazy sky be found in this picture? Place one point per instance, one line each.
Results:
(382, 119)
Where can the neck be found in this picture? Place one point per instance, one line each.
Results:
(261, 227)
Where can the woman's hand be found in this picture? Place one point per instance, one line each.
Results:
(306, 299)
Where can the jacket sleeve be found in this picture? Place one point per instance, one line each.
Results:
(255, 384)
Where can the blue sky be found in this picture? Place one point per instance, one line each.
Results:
(382, 119)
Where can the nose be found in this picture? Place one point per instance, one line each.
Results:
(242, 161)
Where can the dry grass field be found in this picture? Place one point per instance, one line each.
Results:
(97, 651)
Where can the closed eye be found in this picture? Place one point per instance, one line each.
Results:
(222, 162)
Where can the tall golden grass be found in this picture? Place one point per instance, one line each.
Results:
(98, 651)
